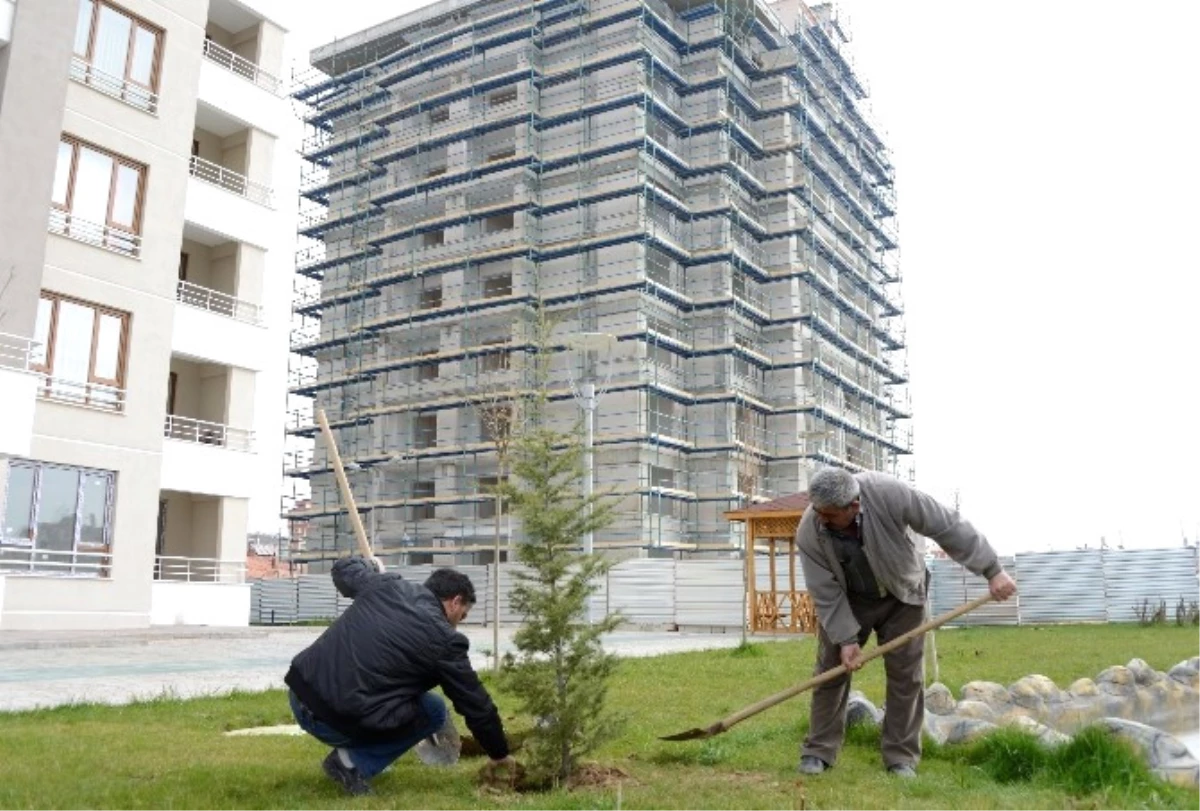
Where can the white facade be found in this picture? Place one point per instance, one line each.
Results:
(129, 452)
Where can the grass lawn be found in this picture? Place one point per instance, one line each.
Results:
(171, 754)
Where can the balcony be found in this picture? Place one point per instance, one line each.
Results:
(214, 301)
(20, 559)
(109, 237)
(240, 66)
(199, 570)
(81, 393)
(19, 385)
(187, 429)
(231, 181)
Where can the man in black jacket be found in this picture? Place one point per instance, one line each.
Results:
(363, 686)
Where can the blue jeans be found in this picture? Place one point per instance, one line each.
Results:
(372, 758)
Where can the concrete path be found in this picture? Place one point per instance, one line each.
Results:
(52, 668)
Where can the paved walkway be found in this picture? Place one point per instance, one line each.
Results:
(115, 667)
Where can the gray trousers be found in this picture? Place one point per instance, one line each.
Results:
(904, 711)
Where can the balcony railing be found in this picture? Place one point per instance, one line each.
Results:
(104, 236)
(199, 570)
(241, 66)
(214, 301)
(23, 559)
(231, 181)
(135, 95)
(16, 351)
(82, 392)
(187, 429)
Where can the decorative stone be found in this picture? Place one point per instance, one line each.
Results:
(1166, 755)
(988, 692)
(1185, 673)
(1083, 687)
(939, 700)
(860, 710)
(1142, 673)
(1032, 692)
(976, 709)
(1115, 679)
(1049, 737)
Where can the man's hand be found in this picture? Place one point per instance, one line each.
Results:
(1002, 586)
(505, 768)
(375, 564)
(850, 655)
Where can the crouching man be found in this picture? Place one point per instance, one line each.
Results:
(363, 687)
(867, 574)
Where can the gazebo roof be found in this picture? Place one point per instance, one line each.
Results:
(792, 506)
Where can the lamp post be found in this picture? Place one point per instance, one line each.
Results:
(594, 352)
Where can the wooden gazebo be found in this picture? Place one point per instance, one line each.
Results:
(770, 524)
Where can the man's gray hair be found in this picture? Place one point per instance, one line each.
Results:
(832, 487)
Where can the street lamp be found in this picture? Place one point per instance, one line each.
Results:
(594, 353)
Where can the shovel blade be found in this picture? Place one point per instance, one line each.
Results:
(694, 734)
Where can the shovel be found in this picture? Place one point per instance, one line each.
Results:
(754, 709)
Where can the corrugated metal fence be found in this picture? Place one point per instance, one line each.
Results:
(1078, 586)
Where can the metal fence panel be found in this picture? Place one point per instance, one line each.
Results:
(709, 592)
(1062, 587)
(1132, 576)
(951, 585)
(318, 599)
(643, 591)
(277, 601)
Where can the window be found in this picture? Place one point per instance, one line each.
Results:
(432, 239)
(495, 361)
(117, 53)
(495, 286)
(504, 153)
(431, 298)
(439, 115)
(97, 197)
(172, 387)
(427, 371)
(503, 97)
(82, 352)
(58, 515)
(435, 171)
(425, 431)
(183, 266)
(423, 490)
(487, 487)
(498, 222)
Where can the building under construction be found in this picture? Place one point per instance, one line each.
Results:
(698, 179)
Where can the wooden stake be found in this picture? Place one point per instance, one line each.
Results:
(344, 485)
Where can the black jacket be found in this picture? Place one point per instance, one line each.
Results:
(364, 675)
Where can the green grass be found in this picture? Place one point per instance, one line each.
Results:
(171, 754)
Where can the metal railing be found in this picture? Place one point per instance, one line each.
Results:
(103, 236)
(133, 94)
(241, 66)
(16, 351)
(82, 392)
(205, 298)
(188, 429)
(199, 570)
(231, 181)
(25, 559)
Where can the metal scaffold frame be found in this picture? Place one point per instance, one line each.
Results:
(696, 179)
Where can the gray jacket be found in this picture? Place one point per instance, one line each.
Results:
(889, 509)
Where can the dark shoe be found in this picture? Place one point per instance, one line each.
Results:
(902, 770)
(348, 778)
(812, 765)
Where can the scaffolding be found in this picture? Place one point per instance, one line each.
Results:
(697, 179)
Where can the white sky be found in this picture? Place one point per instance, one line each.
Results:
(1046, 160)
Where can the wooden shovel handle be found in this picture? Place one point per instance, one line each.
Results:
(829, 675)
(344, 485)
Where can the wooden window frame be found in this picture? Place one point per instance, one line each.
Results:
(137, 22)
(47, 368)
(118, 161)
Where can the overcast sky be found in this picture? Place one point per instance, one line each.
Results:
(1047, 177)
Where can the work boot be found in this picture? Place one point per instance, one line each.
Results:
(904, 771)
(347, 777)
(810, 764)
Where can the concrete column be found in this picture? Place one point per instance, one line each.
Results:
(33, 91)
(234, 517)
(223, 268)
(239, 404)
(251, 270)
(260, 157)
(269, 55)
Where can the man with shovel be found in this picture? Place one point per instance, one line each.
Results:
(363, 687)
(866, 573)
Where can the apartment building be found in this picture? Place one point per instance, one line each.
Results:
(141, 231)
(695, 184)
